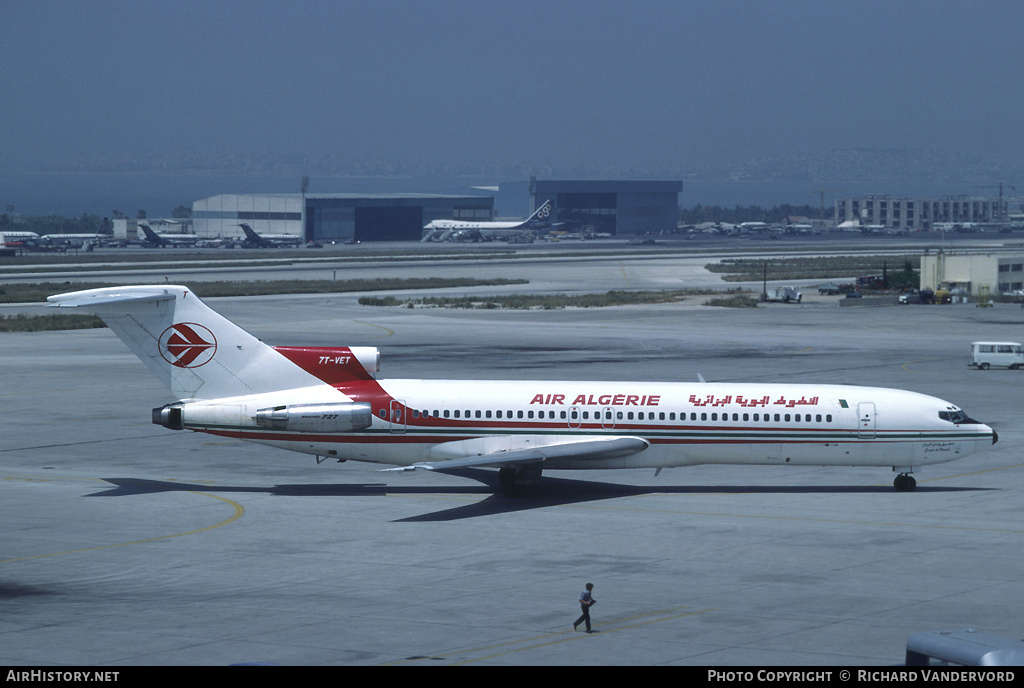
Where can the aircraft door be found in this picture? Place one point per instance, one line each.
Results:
(575, 417)
(397, 417)
(866, 420)
(608, 417)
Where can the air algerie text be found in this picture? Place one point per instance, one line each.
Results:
(599, 399)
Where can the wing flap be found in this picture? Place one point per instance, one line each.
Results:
(587, 449)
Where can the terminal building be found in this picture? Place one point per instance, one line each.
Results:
(907, 214)
(612, 207)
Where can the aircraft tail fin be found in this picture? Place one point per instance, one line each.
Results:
(195, 351)
(150, 234)
(250, 233)
(542, 213)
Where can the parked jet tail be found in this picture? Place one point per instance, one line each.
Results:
(177, 336)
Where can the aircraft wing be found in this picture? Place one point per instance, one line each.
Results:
(586, 449)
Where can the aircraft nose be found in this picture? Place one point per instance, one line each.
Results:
(995, 437)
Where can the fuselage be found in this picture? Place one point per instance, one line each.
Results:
(685, 423)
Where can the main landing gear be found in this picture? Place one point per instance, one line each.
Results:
(516, 481)
(904, 482)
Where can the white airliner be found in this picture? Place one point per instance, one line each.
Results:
(444, 229)
(17, 238)
(254, 240)
(155, 239)
(325, 401)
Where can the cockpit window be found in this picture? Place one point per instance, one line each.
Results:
(953, 416)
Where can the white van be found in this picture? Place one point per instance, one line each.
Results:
(987, 354)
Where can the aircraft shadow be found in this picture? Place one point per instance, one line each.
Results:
(552, 491)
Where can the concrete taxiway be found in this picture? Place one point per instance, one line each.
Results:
(127, 544)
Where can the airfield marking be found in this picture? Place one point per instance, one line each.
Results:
(386, 329)
(238, 511)
(607, 626)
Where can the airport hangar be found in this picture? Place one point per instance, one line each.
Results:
(612, 207)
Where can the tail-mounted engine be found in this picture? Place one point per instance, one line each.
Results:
(327, 418)
(323, 418)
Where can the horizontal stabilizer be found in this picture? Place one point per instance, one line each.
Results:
(588, 449)
(89, 298)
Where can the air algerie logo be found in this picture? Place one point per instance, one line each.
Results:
(187, 345)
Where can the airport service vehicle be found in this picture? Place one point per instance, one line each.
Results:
(984, 355)
(784, 294)
(325, 401)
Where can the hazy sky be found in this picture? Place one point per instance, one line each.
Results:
(647, 83)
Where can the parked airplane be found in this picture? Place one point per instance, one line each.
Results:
(164, 239)
(254, 240)
(72, 240)
(441, 230)
(325, 401)
(14, 239)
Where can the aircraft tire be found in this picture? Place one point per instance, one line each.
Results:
(904, 483)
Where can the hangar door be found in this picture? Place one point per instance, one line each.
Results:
(389, 223)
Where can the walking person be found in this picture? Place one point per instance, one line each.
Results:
(586, 602)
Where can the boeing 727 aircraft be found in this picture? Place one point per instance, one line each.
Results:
(325, 401)
(487, 230)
